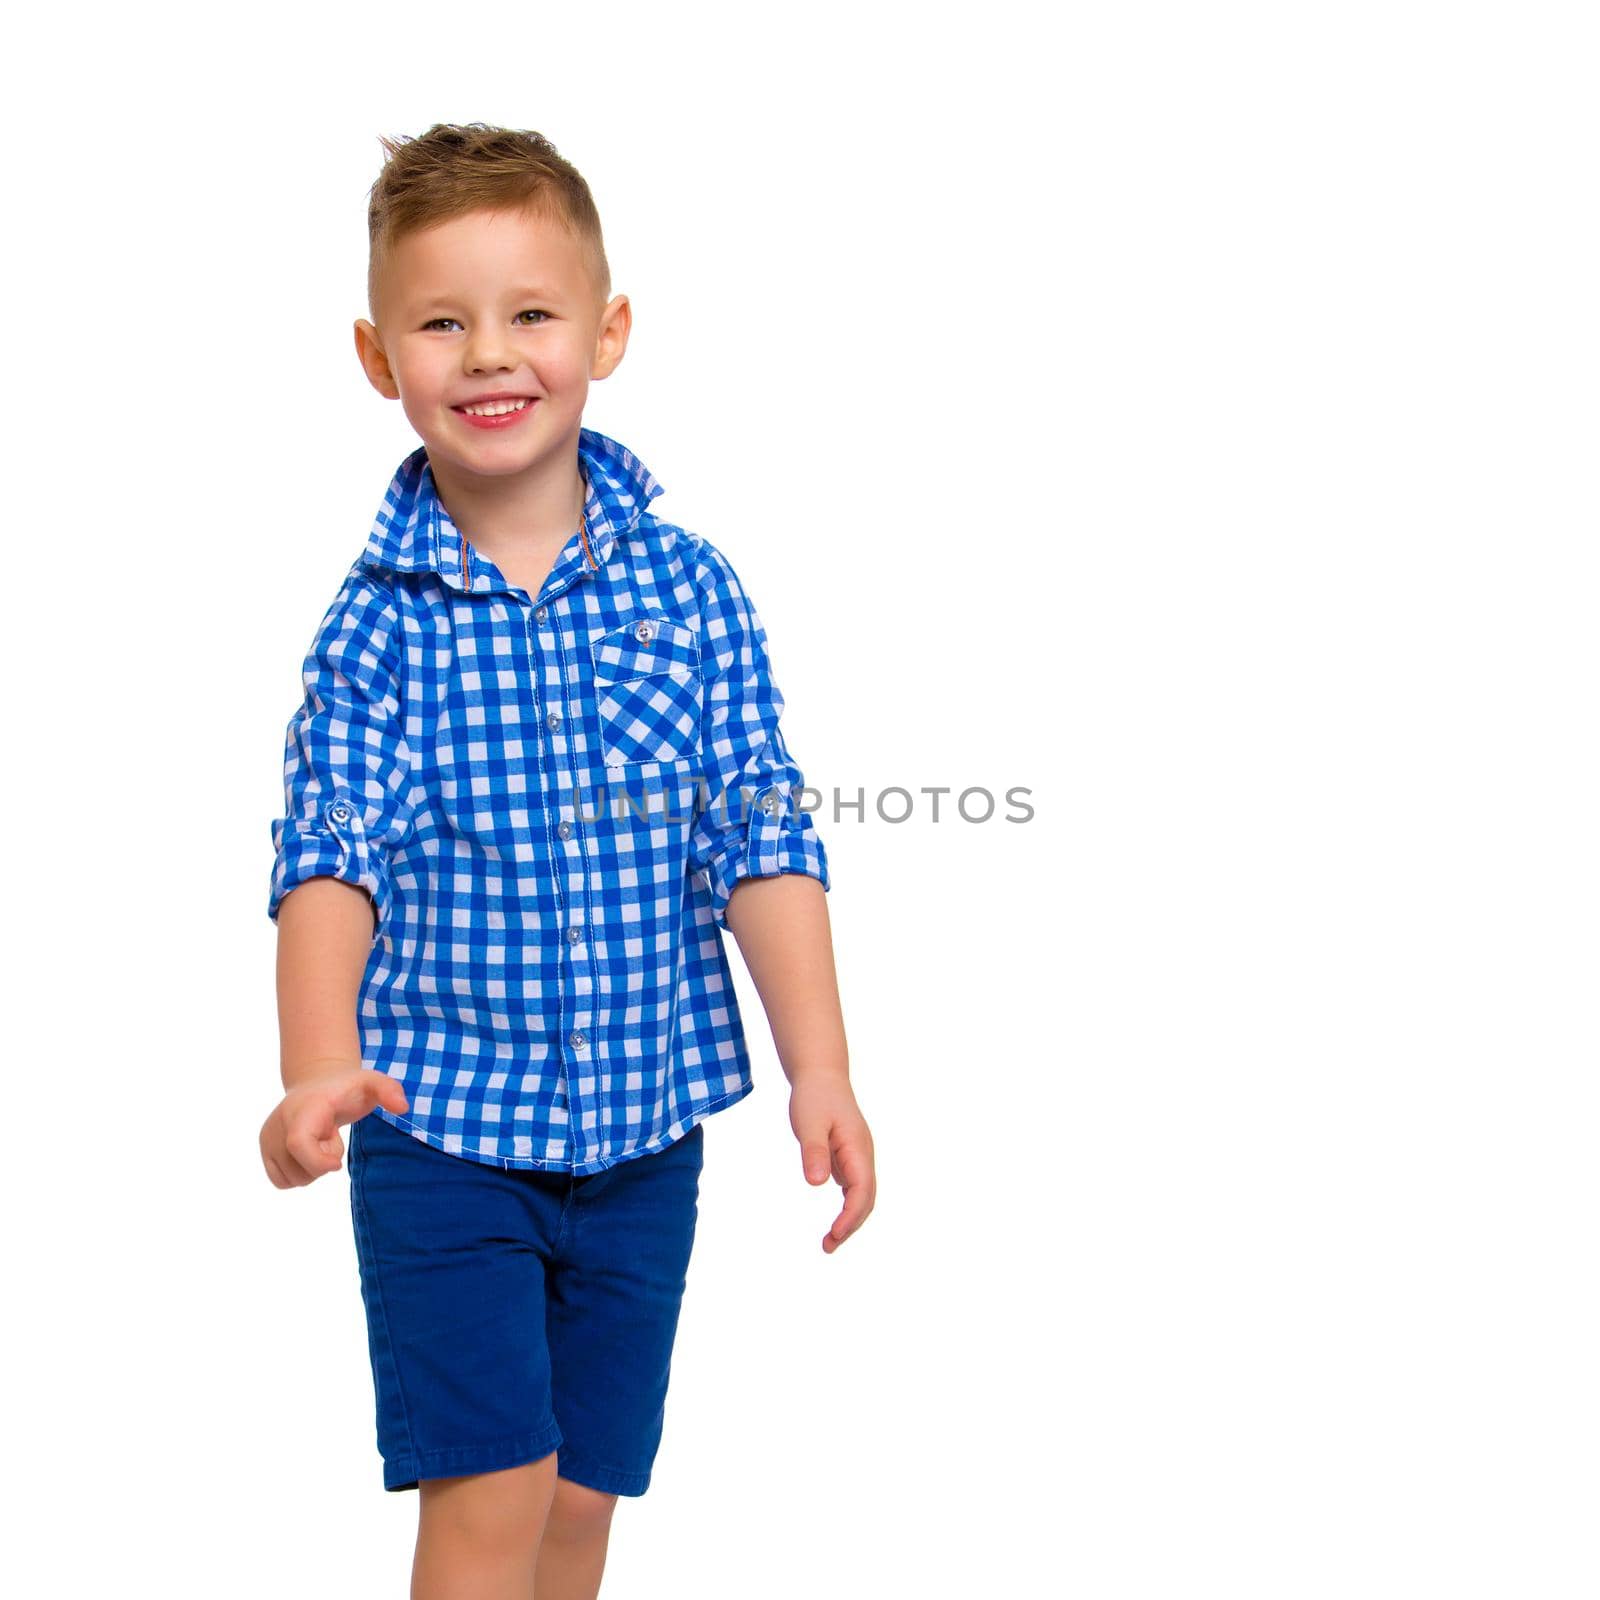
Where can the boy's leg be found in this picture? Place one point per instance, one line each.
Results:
(453, 1258)
(478, 1536)
(572, 1555)
(614, 1292)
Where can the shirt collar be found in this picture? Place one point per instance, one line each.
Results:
(413, 532)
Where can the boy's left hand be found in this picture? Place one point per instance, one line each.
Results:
(834, 1139)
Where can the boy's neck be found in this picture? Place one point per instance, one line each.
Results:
(517, 522)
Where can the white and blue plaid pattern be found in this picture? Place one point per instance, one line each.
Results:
(549, 800)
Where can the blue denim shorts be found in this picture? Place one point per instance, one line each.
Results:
(513, 1312)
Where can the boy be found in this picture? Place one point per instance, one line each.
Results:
(538, 770)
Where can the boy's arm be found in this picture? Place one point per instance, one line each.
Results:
(750, 822)
(348, 806)
(324, 938)
(348, 790)
(767, 875)
(781, 925)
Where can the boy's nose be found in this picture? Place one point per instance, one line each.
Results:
(489, 351)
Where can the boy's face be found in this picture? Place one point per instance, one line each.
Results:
(488, 303)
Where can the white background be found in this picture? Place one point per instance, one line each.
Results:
(1187, 413)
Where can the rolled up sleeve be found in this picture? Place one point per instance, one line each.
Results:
(347, 771)
(749, 823)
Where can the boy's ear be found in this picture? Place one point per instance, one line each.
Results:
(373, 361)
(616, 321)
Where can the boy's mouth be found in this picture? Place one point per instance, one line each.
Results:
(495, 413)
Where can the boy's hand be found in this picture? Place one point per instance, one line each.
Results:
(300, 1141)
(834, 1138)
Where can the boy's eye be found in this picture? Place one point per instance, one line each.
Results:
(529, 313)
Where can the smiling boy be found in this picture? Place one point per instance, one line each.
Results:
(537, 772)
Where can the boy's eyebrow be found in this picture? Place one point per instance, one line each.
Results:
(442, 297)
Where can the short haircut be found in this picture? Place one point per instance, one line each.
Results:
(456, 168)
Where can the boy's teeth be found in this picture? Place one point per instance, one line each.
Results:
(497, 409)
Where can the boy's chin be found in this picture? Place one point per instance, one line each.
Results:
(488, 460)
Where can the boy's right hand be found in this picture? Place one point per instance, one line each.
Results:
(300, 1141)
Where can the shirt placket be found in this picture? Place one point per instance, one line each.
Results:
(550, 640)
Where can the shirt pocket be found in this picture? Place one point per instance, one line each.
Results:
(648, 690)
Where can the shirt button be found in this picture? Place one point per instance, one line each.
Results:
(340, 813)
(554, 720)
(642, 631)
(574, 935)
(564, 829)
(541, 613)
(770, 804)
(578, 1040)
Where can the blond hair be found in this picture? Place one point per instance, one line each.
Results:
(456, 168)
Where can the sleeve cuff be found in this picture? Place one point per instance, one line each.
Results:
(333, 844)
(772, 842)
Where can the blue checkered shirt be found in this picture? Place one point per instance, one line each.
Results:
(548, 799)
